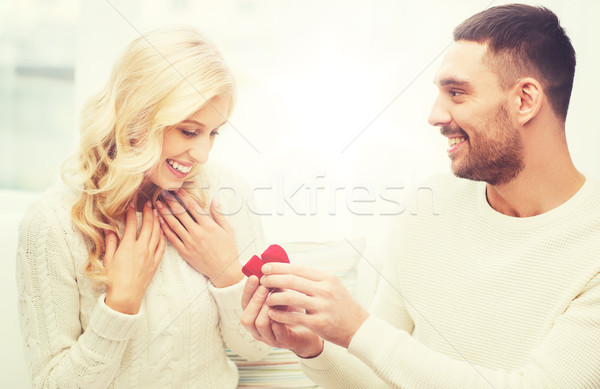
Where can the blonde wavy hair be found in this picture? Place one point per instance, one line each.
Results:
(162, 78)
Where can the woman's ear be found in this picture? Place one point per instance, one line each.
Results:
(527, 95)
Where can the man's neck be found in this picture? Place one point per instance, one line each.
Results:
(537, 189)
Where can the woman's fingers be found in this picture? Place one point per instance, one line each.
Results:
(249, 289)
(263, 325)
(160, 249)
(255, 317)
(147, 222)
(281, 333)
(130, 223)
(289, 317)
(180, 210)
(199, 214)
(172, 221)
(156, 231)
(252, 310)
(217, 214)
(110, 247)
(192, 206)
(285, 336)
(171, 235)
(254, 305)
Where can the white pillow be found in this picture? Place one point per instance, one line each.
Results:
(280, 369)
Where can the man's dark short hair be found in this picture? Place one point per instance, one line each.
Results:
(525, 41)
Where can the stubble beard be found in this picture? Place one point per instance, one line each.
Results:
(496, 159)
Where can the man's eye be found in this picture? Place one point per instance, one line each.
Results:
(455, 93)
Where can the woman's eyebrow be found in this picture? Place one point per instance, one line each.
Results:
(200, 124)
(193, 122)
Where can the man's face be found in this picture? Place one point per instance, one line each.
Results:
(471, 111)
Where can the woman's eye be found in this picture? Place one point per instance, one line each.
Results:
(213, 133)
(189, 133)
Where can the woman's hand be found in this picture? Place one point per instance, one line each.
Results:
(206, 243)
(303, 342)
(130, 264)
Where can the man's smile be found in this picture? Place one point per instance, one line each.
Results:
(455, 142)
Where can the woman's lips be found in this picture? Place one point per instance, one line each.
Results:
(174, 171)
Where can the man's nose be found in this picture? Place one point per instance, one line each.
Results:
(439, 115)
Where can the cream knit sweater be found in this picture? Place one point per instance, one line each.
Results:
(475, 299)
(177, 340)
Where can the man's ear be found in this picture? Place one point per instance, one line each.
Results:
(527, 96)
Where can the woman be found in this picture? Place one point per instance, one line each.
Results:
(111, 297)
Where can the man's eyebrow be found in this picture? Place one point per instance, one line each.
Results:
(451, 81)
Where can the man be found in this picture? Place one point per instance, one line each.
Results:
(501, 289)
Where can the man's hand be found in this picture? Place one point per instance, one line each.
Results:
(255, 319)
(317, 301)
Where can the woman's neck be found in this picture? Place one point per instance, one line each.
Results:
(144, 194)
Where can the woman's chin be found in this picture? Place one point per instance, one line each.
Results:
(171, 185)
(172, 188)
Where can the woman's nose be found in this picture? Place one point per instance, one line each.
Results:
(199, 152)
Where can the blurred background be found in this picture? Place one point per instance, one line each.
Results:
(333, 95)
(330, 124)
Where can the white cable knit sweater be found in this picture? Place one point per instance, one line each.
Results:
(472, 298)
(177, 340)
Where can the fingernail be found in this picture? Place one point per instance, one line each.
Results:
(159, 204)
(217, 203)
(155, 212)
(162, 221)
(148, 204)
(266, 269)
(132, 205)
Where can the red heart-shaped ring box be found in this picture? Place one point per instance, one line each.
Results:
(274, 253)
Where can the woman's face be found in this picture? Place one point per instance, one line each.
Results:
(188, 143)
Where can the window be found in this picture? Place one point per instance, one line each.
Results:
(37, 58)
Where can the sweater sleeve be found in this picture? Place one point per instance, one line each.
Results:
(236, 337)
(566, 358)
(59, 352)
